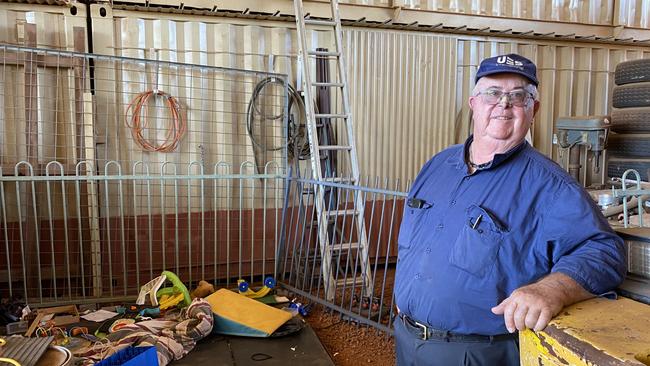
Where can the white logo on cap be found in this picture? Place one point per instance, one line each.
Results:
(508, 61)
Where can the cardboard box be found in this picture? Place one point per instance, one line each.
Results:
(59, 315)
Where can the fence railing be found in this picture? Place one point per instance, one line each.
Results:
(96, 238)
(301, 258)
(86, 237)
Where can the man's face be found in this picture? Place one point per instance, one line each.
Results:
(503, 122)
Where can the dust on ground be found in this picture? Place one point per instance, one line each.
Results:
(349, 344)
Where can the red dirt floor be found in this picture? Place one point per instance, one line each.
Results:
(349, 344)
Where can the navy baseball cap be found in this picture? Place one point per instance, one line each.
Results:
(512, 63)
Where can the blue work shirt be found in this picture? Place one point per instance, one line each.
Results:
(470, 240)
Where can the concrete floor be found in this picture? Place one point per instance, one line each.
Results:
(302, 348)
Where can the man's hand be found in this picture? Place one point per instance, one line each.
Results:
(534, 305)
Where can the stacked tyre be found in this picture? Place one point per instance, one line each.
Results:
(629, 145)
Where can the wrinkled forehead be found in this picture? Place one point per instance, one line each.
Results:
(505, 81)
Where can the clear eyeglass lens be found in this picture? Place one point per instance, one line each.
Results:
(517, 98)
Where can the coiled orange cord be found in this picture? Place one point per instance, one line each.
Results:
(138, 122)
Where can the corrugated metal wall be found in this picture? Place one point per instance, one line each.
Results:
(402, 95)
(409, 89)
(224, 96)
(54, 24)
(37, 26)
(631, 13)
(401, 118)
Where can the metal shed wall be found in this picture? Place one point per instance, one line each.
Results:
(34, 26)
(408, 89)
(631, 13)
(54, 24)
(394, 77)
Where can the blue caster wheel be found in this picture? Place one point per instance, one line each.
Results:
(269, 282)
(243, 286)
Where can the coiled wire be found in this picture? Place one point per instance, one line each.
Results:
(138, 122)
(297, 142)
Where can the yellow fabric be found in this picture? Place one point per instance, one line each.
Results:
(243, 310)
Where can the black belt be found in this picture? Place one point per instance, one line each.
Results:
(425, 332)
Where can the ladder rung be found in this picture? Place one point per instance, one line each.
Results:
(358, 281)
(339, 179)
(340, 85)
(344, 246)
(323, 53)
(320, 22)
(349, 212)
(335, 147)
(330, 115)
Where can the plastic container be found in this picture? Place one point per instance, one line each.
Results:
(14, 328)
(132, 356)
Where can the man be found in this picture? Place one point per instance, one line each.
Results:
(495, 236)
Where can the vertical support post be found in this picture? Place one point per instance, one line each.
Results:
(93, 199)
(79, 67)
(30, 244)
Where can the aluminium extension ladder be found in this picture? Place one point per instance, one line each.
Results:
(331, 251)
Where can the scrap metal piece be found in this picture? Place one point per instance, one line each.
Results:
(27, 351)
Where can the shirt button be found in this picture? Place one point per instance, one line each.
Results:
(466, 178)
(440, 226)
(428, 250)
(453, 202)
(417, 276)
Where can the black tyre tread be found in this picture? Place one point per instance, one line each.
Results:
(617, 166)
(634, 71)
(629, 145)
(625, 120)
(631, 95)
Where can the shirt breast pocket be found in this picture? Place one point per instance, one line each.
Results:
(412, 223)
(477, 245)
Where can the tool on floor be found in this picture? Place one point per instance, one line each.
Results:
(244, 288)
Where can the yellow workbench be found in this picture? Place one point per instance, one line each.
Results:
(595, 332)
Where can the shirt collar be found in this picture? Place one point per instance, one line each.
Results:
(460, 162)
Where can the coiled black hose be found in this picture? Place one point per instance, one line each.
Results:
(297, 141)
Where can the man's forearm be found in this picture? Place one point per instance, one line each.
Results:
(569, 290)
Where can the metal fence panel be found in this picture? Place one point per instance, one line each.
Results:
(72, 107)
(301, 260)
(94, 204)
(92, 238)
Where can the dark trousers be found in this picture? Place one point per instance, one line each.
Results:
(411, 350)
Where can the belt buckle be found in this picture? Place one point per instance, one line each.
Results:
(425, 330)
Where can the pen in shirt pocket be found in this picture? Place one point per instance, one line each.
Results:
(477, 221)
